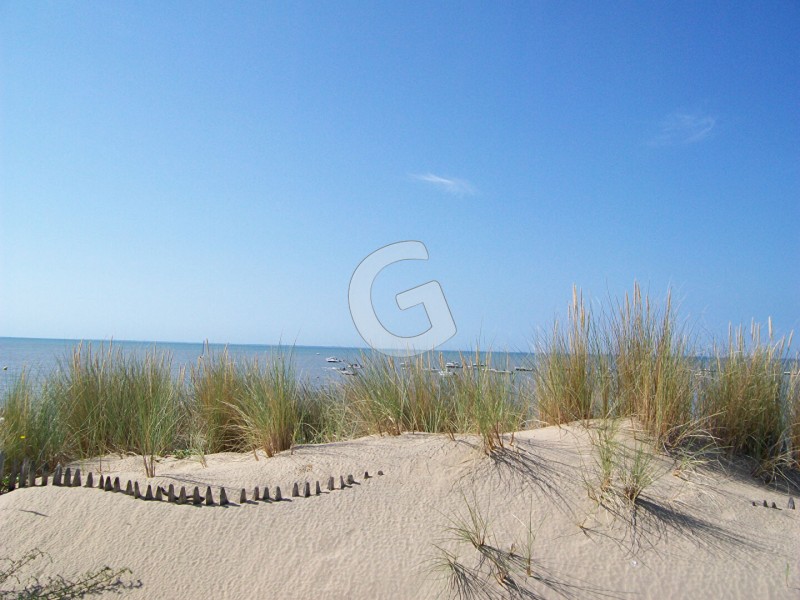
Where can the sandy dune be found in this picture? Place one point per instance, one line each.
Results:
(695, 536)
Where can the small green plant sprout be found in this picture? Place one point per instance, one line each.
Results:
(526, 545)
(463, 582)
(636, 472)
(472, 528)
(622, 470)
(491, 571)
(599, 482)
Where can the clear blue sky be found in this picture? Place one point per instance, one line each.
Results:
(182, 171)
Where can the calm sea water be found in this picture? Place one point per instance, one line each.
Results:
(39, 357)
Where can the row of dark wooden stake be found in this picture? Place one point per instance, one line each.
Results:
(25, 476)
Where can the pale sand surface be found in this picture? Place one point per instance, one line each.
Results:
(695, 538)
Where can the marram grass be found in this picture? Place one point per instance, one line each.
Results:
(567, 370)
(216, 384)
(632, 361)
(751, 398)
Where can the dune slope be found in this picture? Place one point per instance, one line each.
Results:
(690, 536)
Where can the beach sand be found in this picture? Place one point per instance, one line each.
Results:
(692, 535)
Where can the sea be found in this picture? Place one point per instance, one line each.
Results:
(38, 358)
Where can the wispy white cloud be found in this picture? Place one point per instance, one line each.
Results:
(681, 128)
(456, 187)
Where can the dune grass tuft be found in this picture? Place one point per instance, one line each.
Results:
(268, 407)
(653, 364)
(566, 368)
(622, 470)
(489, 402)
(112, 402)
(30, 427)
(216, 385)
(752, 397)
(423, 394)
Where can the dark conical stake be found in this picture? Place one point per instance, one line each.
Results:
(209, 497)
(89, 480)
(295, 490)
(791, 503)
(68, 477)
(45, 474)
(196, 497)
(256, 495)
(350, 480)
(12, 478)
(101, 486)
(23, 473)
(57, 475)
(341, 482)
(278, 496)
(317, 491)
(76, 482)
(380, 472)
(330, 483)
(266, 497)
(129, 489)
(171, 493)
(243, 497)
(159, 495)
(136, 493)
(223, 498)
(182, 496)
(149, 493)
(30, 469)
(117, 487)
(306, 490)
(765, 504)
(366, 474)
(107, 485)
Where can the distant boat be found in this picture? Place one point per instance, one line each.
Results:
(333, 359)
(356, 366)
(525, 369)
(452, 365)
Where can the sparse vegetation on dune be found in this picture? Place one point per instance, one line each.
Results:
(14, 583)
(622, 469)
(632, 361)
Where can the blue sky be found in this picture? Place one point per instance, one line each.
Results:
(197, 171)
